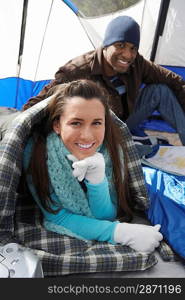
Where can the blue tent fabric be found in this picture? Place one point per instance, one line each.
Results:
(156, 124)
(178, 70)
(15, 92)
(167, 206)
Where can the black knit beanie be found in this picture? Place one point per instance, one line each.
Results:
(122, 29)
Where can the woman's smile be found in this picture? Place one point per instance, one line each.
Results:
(85, 146)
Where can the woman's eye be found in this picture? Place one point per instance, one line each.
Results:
(97, 123)
(75, 123)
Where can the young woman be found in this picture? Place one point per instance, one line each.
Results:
(77, 170)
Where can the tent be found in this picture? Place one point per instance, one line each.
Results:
(37, 37)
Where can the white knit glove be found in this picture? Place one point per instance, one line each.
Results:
(91, 168)
(142, 238)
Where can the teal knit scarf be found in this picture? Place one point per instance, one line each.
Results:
(67, 190)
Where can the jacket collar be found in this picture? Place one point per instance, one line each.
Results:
(97, 63)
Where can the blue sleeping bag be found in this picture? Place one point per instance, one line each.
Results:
(167, 196)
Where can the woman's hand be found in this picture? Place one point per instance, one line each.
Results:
(142, 238)
(91, 168)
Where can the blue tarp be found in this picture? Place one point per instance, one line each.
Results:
(167, 206)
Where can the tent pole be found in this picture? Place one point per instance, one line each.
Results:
(21, 46)
(23, 26)
(160, 26)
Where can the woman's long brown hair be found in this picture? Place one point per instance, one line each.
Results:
(113, 140)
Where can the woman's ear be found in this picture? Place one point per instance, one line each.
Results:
(56, 126)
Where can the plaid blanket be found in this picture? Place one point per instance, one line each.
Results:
(21, 221)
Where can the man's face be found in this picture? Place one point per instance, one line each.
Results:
(118, 57)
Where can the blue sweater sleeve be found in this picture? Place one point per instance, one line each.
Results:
(101, 205)
(82, 226)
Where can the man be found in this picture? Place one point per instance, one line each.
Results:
(119, 67)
